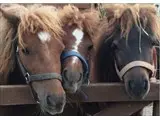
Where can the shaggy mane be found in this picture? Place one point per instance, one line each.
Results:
(87, 20)
(7, 32)
(123, 16)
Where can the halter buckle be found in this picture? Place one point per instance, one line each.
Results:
(27, 77)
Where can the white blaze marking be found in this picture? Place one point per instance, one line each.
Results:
(44, 36)
(78, 34)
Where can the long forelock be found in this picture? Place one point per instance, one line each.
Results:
(42, 18)
(91, 22)
(87, 20)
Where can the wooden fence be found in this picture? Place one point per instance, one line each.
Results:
(120, 103)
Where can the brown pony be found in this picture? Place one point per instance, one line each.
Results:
(125, 46)
(79, 27)
(117, 42)
(30, 48)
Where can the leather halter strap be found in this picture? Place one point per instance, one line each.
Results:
(70, 53)
(151, 67)
(36, 77)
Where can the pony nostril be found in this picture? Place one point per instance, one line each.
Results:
(56, 101)
(59, 105)
(145, 84)
(142, 84)
(64, 74)
(80, 77)
(131, 84)
(138, 87)
(72, 76)
(49, 100)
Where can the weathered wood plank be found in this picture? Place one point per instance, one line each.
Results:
(116, 92)
(122, 108)
(156, 108)
(16, 94)
(21, 94)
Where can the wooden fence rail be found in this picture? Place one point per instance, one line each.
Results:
(11, 95)
(21, 94)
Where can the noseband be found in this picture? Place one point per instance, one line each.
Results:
(71, 53)
(36, 77)
(151, 67)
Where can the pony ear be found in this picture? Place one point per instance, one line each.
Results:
(14, 20)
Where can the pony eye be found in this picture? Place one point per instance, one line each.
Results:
(90, 47)
(114, 46)
(155, 42)
(25, 51)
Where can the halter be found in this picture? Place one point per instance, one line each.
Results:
(36, 77)
(152, 67)
(70, 53)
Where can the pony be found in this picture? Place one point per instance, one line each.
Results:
(125, 46)
(79, 27)
(30, 48)
(77, 58)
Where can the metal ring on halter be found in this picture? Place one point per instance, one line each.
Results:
(27, 77)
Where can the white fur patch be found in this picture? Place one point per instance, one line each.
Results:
(78, 34)
(44, 36)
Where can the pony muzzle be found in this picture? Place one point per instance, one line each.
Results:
(52, 104)
(137, 83)
(71, 80)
